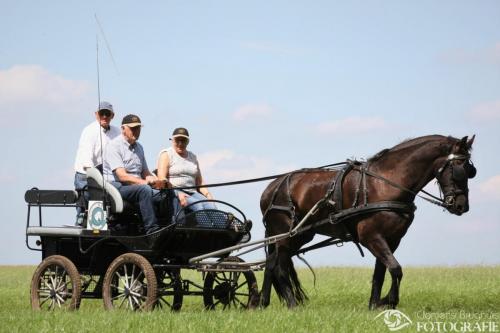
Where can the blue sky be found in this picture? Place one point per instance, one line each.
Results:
(264, 87)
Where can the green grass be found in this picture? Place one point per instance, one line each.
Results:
(338, 303)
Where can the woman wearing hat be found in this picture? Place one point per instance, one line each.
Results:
(180, 167)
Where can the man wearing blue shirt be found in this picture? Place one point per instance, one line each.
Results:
(125, 166)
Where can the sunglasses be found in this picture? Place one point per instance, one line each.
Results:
(105, 113)
(181, 140)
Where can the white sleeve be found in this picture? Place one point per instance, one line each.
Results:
(86, 148)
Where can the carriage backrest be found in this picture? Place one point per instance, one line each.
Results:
(96, 184)
(50, 197)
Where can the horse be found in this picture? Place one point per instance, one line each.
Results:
(394, 175)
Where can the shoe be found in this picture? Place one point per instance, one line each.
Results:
(80, 220)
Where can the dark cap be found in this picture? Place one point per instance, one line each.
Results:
(180, 131)
(131, 120)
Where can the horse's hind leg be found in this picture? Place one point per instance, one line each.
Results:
(280, 273)
(377, 283)
(271, 261)
(283, 277)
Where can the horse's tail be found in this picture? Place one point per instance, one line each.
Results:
(286, 282)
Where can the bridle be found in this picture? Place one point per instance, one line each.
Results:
(459, 173)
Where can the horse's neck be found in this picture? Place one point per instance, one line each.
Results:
(412, 168)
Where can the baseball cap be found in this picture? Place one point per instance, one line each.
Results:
(105, 106)
(131, 120)
(180, 132)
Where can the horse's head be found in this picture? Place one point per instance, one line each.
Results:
(453, 173)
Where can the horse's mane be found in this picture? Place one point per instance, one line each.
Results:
(411, 142)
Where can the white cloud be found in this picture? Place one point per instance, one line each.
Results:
(491, 188)
(225, 165)
(486, 111)
(32, 87)
(352, 125)
(489, 55)
(7, 178)
(253, 111)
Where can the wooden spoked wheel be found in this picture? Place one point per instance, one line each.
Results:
(170, 291)
(228, 289)
(130, 283)
(56, 285)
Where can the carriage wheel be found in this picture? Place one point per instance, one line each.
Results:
(170, 292)
(56, 285)
(129, 283)
(223, 290)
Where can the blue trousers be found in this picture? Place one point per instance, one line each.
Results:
(197, 196)
(192, 199)
(80, 183)
(146, 197)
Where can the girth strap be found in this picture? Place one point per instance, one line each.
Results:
(337, 184)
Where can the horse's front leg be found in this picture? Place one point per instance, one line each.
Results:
(377, 283)
(381, 250)
(392, 298)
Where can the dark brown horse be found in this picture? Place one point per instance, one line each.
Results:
(392, 175)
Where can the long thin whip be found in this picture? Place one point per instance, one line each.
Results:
(99, 122)
(106, 42)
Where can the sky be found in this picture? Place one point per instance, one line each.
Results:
(264, 87)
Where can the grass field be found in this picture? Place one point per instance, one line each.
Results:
(338, 303)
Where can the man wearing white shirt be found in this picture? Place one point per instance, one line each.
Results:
(93, 137)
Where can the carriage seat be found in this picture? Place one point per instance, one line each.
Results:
(35, 196)
(96, 183)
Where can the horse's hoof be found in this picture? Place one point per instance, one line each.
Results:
(387, 303)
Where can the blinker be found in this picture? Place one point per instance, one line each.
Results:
(458, 173)
(471, 170)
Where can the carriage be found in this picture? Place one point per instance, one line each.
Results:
(114, 260)
(368, 203)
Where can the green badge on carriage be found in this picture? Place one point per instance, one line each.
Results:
(96, 216)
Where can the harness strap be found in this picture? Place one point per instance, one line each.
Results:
(338, 217)
(286, 209)
(333, 190)
(328, 242)
(393, 206)
(273, 197)
(337, 184)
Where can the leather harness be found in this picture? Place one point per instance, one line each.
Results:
(333, 200)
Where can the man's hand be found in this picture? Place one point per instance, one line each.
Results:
(150, 179)
(182, 198)
(157, 184)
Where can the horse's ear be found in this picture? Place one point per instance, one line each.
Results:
(462, 144)
(470, 142)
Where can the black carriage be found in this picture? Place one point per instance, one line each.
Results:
(129, 269)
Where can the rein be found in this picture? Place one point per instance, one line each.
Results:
(260, 179)
(435, 200)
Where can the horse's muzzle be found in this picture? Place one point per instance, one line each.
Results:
(458, 204)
